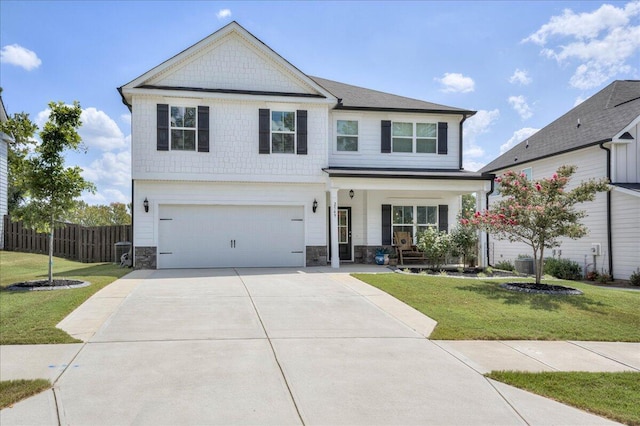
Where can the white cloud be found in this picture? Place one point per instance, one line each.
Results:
(473, 166)
(520, 77)
(110, 170)
(518, 136)
(98, 130)
(600, 42)
(17, 55)
(480, 123)
(126, 118)
(455, 82)
(519, 103)
(580, 99)
(223, 13)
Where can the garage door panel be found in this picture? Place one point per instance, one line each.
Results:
(230, 236)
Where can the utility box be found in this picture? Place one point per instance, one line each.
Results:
(596, 249)
(524, 266)
(119, 249)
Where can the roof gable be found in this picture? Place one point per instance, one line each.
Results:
(597, 120)
(230, 60)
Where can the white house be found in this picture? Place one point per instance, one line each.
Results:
(600, 137)
(241, 159)
(4, 173)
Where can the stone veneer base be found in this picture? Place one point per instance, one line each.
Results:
(145, 258)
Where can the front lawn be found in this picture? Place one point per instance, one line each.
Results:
(469, 309)
(30, 317)
(612, 395)
(12, 391)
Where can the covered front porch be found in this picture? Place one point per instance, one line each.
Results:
(366, 207)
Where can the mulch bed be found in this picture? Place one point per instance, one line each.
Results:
(41, 285)
(540, 288)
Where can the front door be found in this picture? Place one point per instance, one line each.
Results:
(344, 233)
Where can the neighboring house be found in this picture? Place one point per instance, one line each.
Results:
(4, 174)
(600, 137)
(241, 159)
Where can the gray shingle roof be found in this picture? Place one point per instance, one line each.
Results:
(600, 118)
(354, 97)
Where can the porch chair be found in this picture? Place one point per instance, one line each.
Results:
(405, 248)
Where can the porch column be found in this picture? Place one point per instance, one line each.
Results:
(481, 204)
(333, 226)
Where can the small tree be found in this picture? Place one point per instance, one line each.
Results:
(435, 245)
(538, 213)
(52, 188)
(464, 242)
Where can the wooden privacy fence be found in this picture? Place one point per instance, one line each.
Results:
(83, 243)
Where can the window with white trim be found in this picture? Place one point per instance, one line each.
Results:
(420, 138)
(347, 135)
(184, 125)
(528, 172)
(413, 219)
(283, 132)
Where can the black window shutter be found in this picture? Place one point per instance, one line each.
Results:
(203, 129)
(385, 142)
(443, 217)
(265, 132)
(301, 132)
(386, 224)
(162, 124)
(442, 138)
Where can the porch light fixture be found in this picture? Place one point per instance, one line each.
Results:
(315, 205)
(351, 194)
(145, 203)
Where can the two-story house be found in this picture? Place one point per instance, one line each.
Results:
(241, 159)
(600, 137)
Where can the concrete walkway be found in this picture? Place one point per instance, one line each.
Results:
(281, 346)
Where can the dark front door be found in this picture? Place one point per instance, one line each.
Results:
(344, 233)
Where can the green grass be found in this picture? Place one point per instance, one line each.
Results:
(612, 395)
(12, 391)
(30, 317)
(481, 310)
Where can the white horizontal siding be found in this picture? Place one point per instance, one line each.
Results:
(233, 151)
(4, 175)
(625, 230)
(369, 129)
(203, 193)
(591, 163)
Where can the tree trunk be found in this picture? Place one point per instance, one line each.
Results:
(51, 255)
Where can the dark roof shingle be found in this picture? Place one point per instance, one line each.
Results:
(596, 120)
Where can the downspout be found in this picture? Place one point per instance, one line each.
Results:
(609, 239)
(133, 234)
(487, 204)
(464, 118)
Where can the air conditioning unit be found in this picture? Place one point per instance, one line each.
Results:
(596, 249)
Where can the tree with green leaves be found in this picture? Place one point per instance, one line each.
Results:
(20, 130)
(52, 187)
(98, 215)
(538, 213)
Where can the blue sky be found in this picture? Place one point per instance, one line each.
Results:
(519, 64)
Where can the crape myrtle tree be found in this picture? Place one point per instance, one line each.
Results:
(51, 187)
(537, 213)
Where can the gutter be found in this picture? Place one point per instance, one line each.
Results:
(487, 204)
(609, 238)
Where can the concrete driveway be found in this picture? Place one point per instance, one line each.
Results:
(274, 346)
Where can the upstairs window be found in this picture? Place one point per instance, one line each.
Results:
(414, 137)
(347, 135)
(183, 128)
(283, 132)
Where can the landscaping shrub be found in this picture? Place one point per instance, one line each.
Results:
(634, 279)
(435, 244)
(564, 269)
(505, 265)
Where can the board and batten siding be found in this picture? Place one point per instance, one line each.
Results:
(369, 136)
(4, 187)
(625, 230)
(626, 159)
(591, 163)
(233, 144)
(211, 193)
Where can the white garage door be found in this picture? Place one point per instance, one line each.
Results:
(193, 236)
